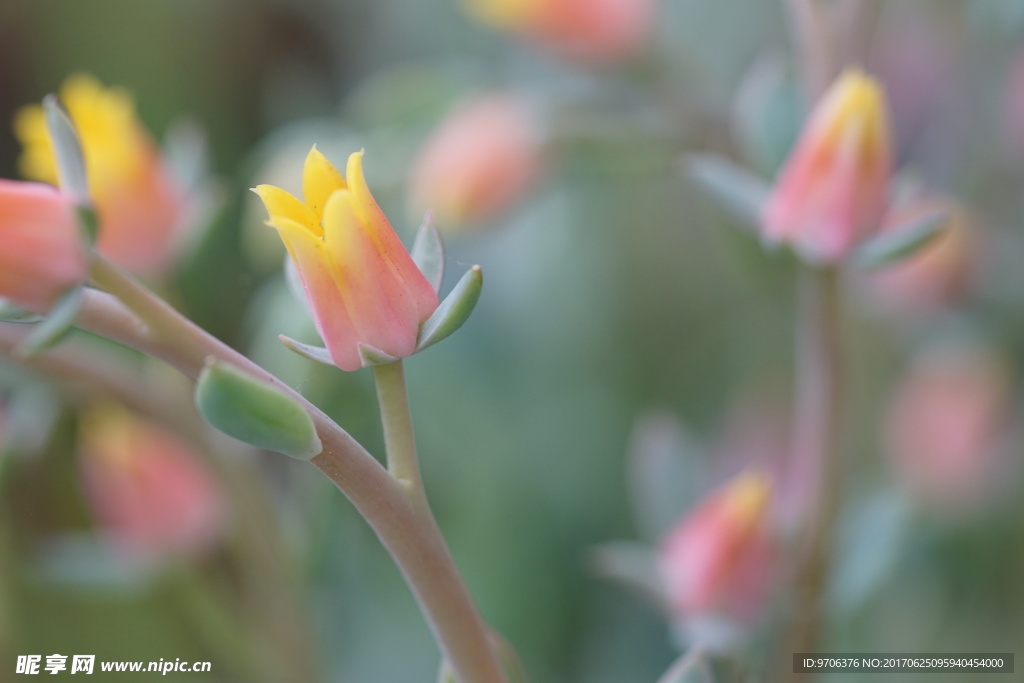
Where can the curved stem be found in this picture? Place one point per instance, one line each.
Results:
(407, 529)
(817, 451)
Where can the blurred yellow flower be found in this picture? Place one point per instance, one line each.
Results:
(138, 203)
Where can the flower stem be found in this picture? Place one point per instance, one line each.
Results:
(399, 441)
(817, 448)
(403, 523)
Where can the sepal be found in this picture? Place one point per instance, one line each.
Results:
(903, 241)
(372, 356)
(9, 313)
(740, 192)
(428, 252)
(453, 311)
(68, 150)
(317, 353)
(55, 326)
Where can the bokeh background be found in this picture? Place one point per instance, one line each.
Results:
(614, 289)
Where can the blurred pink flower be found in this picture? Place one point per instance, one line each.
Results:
(947, 424)
(940, 273)
(586, 30)
(717, 559)
(481, 159)
(41, 252)
(148, 491)
(137, 200)
(833, 190)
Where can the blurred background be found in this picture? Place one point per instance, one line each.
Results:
(615, 290)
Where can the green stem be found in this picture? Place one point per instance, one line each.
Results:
(405, 527)
(399, 441)
(817, 446)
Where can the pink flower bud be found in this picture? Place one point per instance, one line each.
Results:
(147, 490)
(480, 160)
(716, 561)
(361, 283)
(41, 253)
(947, 424)
(833, 190)
(587, 30)
(138, 203)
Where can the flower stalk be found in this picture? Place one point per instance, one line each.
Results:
(817, 444)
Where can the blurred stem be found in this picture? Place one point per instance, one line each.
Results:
(817, 445)
(406, 529)
(858, 18)
(813, 43)
(259, 548)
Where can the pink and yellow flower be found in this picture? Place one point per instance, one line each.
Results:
(588, 30)
(41, 252)
(833, 191)
(138, 203)
(716, 560)
(148, 491)
(484, 155)
(363, 287)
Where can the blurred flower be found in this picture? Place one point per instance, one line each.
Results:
(364, 288)
(716, 561)
(832, 192)
(138, 203)
(947, 423)
(481, 159)
(41, 252)
(588, 30)
(148, 491)
(938, 274)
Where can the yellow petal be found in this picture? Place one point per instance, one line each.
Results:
(320, 179)
(286, 205)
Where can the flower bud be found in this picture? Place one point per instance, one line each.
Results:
(148, 491)
(947, 423)
(481, 159)
(715, 562)
(41, 253)
(586, 30)
(363, 287)
(138, 203)
(832, 192)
